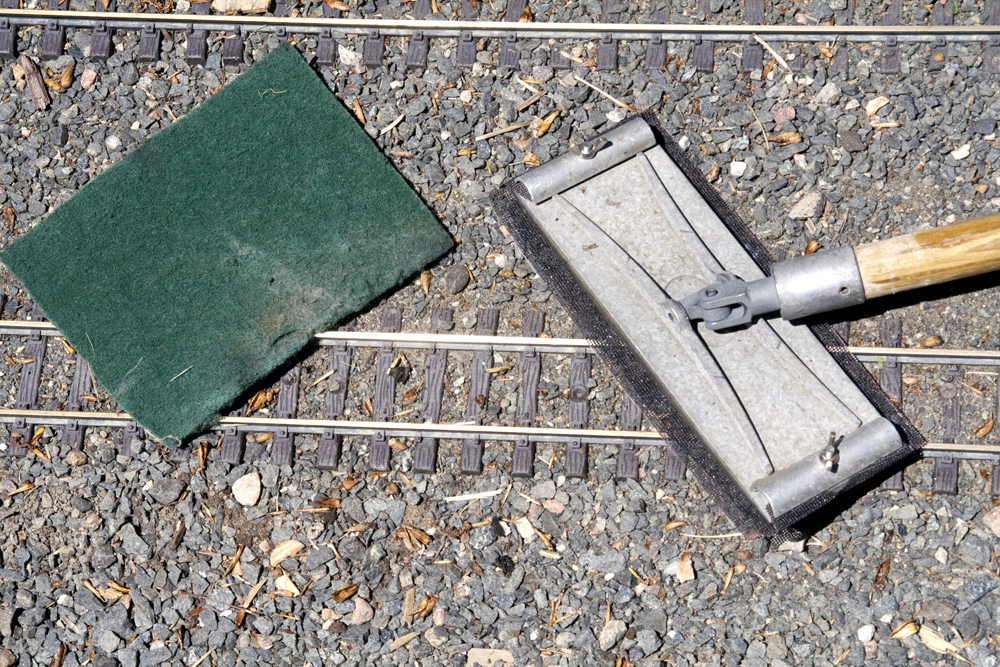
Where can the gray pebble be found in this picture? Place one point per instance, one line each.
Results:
(975, 550)
(132, 544)
(103, 557)
(166, 490)
(967, 623)
(456, 279)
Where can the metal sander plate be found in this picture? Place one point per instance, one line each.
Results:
(777, 388)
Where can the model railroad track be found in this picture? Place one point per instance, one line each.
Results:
(655, 30)
(30, 339)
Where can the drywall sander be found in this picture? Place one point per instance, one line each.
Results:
(833, 279)
(674, 293)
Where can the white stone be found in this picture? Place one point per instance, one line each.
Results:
(112, 142)
(828, 94)
(246, 489)
(810, 206)
(244, 6)
(88, 78)
(362, 613)
(434, 639)
(992, 521)
(524, 529)
(616, 115)
(866, 632)
(961, 152)
(349, 57)
(941, 555)
(611, 633)
(737, 168)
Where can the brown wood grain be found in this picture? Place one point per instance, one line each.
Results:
(930, 257)
(36, 85)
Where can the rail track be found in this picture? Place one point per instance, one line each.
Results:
(471, 33)
(470, 28)
(360, 367)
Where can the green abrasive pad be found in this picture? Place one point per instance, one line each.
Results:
(214, 251)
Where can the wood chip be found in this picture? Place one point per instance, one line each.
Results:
(284, 583)
(358, 112)
(674, 524)
(248, 600)
(409, 604)
(425, 607)
(400, 642)
(259, 400)
(930, 341)
(488, 657)
(935, 642)
(36, 85)
(812, 246)
(526, 16)
(358, 528)
(880, 578)
(284, 550)
(985, 429)
(786, 138)
(425, 281)
(345, 593)
(57, 659)
(727, 580)
(539, 126)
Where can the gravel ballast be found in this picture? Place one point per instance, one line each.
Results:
(128, 560)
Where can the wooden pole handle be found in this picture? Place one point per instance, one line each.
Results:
(930, 257)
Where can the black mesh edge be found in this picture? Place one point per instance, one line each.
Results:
(643, 386)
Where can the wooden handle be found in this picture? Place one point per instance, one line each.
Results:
(927, 258)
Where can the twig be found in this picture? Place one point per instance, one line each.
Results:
(712, 537)
(570, 56)
(528, 86)
(472, 496)
(322, 377)
(531, 100)
(202, 658)
(613, 99)
(388, 128)
(502, 130)
(781, 61)
(181, 373)
(767, 146)
(184, 594)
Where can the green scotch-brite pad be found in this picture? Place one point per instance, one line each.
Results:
(213, 252)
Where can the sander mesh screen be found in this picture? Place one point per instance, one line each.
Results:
(213, 252)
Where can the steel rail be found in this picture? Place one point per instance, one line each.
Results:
(934, 356)
(557, 30)
(454, 431)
